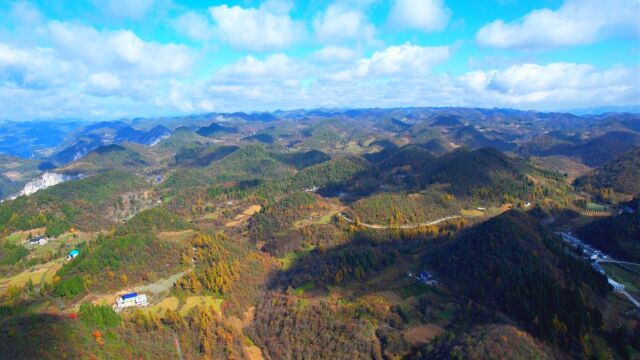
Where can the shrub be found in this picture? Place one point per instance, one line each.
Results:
(72, 286)
(99, 315)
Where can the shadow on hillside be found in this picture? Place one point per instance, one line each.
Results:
(38, 336)
(369, 252)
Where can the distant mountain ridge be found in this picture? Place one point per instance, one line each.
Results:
(106, 133)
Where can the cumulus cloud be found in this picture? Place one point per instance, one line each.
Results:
(103, 84)
(340, 23)
(194, 25)
(79, 65)
(403, 59)
(32, 67)
(274, 68)
(554, 85)
(575, 22)
(120, 49)
(331, 54)
(266, 27)
(425, 15)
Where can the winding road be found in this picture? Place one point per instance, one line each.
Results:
(410, 226)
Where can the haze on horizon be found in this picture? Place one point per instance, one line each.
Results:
(95, 59)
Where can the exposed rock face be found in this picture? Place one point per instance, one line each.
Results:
(43, 181)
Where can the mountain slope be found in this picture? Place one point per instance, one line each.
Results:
(515, 265)
(104, 158)
(486, 172)
(216, 129)
(621, 175)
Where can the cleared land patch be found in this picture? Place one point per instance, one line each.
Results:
(175, 236)
(193, 301)
(170, 303)
(35, 273)
(422, 334)
(246, 214)
(390, 297)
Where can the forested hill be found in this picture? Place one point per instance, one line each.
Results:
(513, 264)
(621, 175)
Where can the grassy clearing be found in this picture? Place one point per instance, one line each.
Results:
(630, 280)
(325, 219)
(193, 301)
(176, 236)
(293, 256)
(300, 290)
(414, 289)
(51, 273)
(14, 238)
(21, 236)
(170, 303)
(35, 273)
(472, 212)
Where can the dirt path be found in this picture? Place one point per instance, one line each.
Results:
(161, 285)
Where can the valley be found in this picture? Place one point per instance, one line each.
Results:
(404, 233)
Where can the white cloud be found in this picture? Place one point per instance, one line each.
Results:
(339, 23)
(121, 50)
(194, 25)
(403, 59)
(276, 67)
(263, 28)
(82, 71)
(335, 54)
(575, 22)
(103, 84)
(554, 85)
(32, 67)
(425, 15)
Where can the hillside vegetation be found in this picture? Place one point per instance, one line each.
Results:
(621, 175)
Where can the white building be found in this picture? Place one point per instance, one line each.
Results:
(129, 300)
(40, 240)
(616, 285)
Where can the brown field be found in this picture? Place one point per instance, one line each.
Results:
(246, 214)
(422, 334)
(176, 236)
(35, 273)
(472, 212)
(390, 297)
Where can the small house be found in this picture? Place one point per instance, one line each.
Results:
(427, 278)
(131, 300)
(73, 254)
(40, 240)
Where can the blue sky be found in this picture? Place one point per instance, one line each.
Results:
(103, 59)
